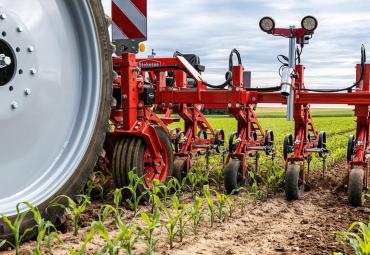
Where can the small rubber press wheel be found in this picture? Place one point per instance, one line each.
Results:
(294, 184)
(356, 187)
(180, 168)
(233, 178)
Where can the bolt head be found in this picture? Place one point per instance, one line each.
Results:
(33, 71)
(2, 16)
(20, 29)
(27, 91)
(14, 105)
(30, 49)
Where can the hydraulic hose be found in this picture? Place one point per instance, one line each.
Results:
(349, 89)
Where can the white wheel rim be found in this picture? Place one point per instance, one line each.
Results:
(47, 120)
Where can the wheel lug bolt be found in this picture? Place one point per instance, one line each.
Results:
(30, 49)
(3, 16)
(33, 71)
(20, 29)
(27, 92)
(14, 105)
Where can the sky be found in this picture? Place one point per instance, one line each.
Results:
(211, 28)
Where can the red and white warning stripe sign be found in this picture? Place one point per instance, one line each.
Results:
(129, 20)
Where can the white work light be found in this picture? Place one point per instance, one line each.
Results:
(309, 23)
(267, 24)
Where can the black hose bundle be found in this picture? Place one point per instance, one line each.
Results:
(349, 89)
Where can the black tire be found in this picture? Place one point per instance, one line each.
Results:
(350, 147)
(288, 142)
(356, 187)
(219, 140)
(232, 142)
(83, 171)
(233, 178)
(180, 168)
(129, 155)
(294, 184)
(322, 143)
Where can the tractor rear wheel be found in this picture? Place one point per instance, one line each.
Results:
(356, 187)
(132, 154)
(233, 177)
(294, 183)
(55, 102)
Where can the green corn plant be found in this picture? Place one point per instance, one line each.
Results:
(196, 214)
(193, 180)
(129, 239)
(357, 237)
(15, 227)
(134, 188)
(81, 250)
(50, 239)
(221, 200)
(180, 210)
(152, 222)
(169, 187)
(256, 193)
(175, 186)
(73, 209)
(125, 238)
(230, 205)
(117, 200)
(219, 177)
(211, 205)
(44, 227)
(155, 192)
(112, 245)
(242, 203)
(172, 218)
(94, 186)
(203, 178)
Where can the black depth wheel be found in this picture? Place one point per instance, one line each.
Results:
(322, 144)
(131, 154)
(356, 187)
(219, 140)
(233, 142)
(180, 168)
(294, 184)
(350, 148)
(233, 178)
(287, 146)
(269, 142)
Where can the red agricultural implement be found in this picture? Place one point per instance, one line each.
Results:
(175, 86)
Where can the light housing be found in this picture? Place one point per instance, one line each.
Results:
(309, 23)
(267, 24)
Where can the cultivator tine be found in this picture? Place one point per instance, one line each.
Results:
(324, 166)
(207, 155)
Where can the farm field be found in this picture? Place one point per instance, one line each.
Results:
(257, 220)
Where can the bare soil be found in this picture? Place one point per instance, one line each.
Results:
(272, 226)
